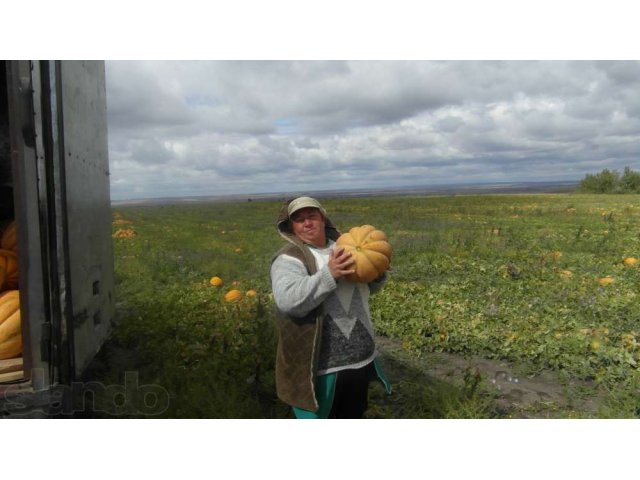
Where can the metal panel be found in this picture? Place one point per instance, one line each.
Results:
(81, 103)
(27, 156)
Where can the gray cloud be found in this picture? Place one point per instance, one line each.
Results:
(203, 128)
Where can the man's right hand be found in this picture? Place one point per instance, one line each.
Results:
(341, 263)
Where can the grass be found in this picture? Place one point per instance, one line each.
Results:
(513, 277)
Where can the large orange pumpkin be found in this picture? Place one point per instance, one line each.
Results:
(10, 333)
(9, 263)
(370, 250)
(9, 239)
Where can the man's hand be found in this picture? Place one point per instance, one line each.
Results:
(341, 263)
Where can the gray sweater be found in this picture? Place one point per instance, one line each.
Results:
(348, 334)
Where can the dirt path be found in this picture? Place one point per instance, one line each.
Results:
(515, 395)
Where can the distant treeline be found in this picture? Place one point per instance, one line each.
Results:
(610, 181)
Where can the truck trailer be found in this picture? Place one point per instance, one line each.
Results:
(55, 199)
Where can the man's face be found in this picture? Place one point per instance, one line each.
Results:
(308, 226)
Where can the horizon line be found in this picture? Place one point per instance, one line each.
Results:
(363, 191)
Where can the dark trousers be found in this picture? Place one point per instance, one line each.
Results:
(351, 398)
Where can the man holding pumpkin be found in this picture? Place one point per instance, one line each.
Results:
(326, 352)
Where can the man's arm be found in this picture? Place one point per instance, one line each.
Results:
(295, 292)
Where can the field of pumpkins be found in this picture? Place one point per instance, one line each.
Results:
(544, 282)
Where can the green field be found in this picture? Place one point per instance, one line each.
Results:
(512, 277)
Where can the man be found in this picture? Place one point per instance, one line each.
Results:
(326, 352)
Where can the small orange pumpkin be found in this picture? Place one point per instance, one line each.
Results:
(232, 296)
(9, 263)
(10, 333)
(216, 281)
(370, 250)
(630, 261)
(565, 273)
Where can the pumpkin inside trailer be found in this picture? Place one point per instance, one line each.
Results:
(11, 366)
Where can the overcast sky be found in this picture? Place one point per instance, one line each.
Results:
(179, 128)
